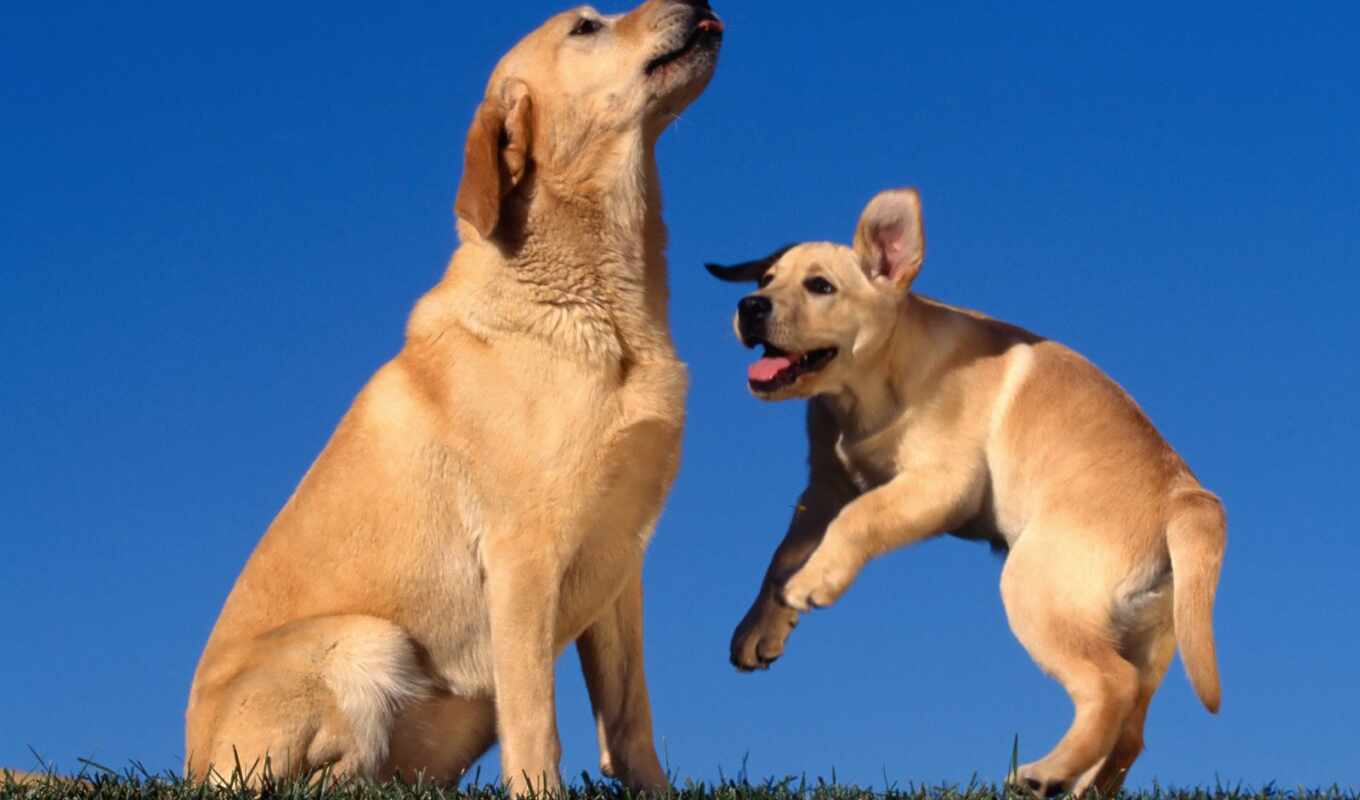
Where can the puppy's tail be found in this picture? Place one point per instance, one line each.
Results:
(1196, 536)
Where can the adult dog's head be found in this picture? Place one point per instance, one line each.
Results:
(576, 106)
(820, 308)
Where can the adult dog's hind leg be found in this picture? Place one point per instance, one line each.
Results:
(1062, 620)
(440, 738)
(316, 693)
(611, 655)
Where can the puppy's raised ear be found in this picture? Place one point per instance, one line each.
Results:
(750, 271)
(496, 156)
(891, 239)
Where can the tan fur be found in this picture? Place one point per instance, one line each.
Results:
(488, 498)
(932, 419)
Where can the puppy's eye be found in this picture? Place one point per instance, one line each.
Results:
(765, 280)
(819, 286)
(585, 26)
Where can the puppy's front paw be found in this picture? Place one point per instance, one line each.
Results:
(819, 583)
(759, 640)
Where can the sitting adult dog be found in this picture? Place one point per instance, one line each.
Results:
(927, 419)
(488, 498)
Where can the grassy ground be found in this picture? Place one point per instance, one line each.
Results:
(100, 784)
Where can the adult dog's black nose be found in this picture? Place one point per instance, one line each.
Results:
(754, 308)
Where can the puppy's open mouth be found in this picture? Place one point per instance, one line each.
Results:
(708, 31)
(777, 369)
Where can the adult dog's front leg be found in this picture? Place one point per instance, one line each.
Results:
(522, 598)
(913, 506)
(612, 660)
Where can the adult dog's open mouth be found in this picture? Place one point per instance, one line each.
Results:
(708, 31)
(777, 368)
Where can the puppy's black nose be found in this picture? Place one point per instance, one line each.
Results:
(755, 307)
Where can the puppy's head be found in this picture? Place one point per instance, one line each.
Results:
(819, 308)
(577, 100)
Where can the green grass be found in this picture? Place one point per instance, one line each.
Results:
(98, 783)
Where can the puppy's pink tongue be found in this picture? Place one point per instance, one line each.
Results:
(766, 368)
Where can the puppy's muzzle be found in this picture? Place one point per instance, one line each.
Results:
(753, 315)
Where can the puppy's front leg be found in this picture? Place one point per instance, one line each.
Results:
(611, 658)
(915, 505)
(522, 588)
(759, 639)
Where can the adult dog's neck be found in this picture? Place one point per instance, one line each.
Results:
(581, 265)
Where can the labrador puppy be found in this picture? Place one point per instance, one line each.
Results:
(487, 499)
(927, 419)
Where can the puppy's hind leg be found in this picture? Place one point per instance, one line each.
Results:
(1062, 620)
(1152, 655)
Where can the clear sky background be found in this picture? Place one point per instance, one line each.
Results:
(214, 221)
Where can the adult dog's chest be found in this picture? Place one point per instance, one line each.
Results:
(639, 443)
(581, 471)
(625, 484)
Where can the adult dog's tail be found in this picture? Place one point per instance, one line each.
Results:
(1196, 535)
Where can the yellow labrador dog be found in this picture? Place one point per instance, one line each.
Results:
(488, 498)
(927, 419)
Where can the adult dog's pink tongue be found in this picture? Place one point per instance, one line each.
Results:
(767, 368)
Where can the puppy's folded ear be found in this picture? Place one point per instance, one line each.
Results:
(891, 239)
(750, 271)
(496, 157)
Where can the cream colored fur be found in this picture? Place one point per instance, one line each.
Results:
(932, 419)
(488, 498)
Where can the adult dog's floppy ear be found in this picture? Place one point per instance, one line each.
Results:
(496, 156)
(891, 238)
(750, 271)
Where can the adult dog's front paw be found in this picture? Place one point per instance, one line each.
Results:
(759, 638)
(641, 771)
(818, 583)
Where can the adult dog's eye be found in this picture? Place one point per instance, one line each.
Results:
(765, 280)
(819, 286)
(585, 26)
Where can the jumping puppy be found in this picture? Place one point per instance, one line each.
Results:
(487, 499)
(928, 419)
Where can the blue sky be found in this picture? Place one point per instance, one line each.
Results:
(216, 220)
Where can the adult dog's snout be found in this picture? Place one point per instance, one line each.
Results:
(705, 21)
(752, 313)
